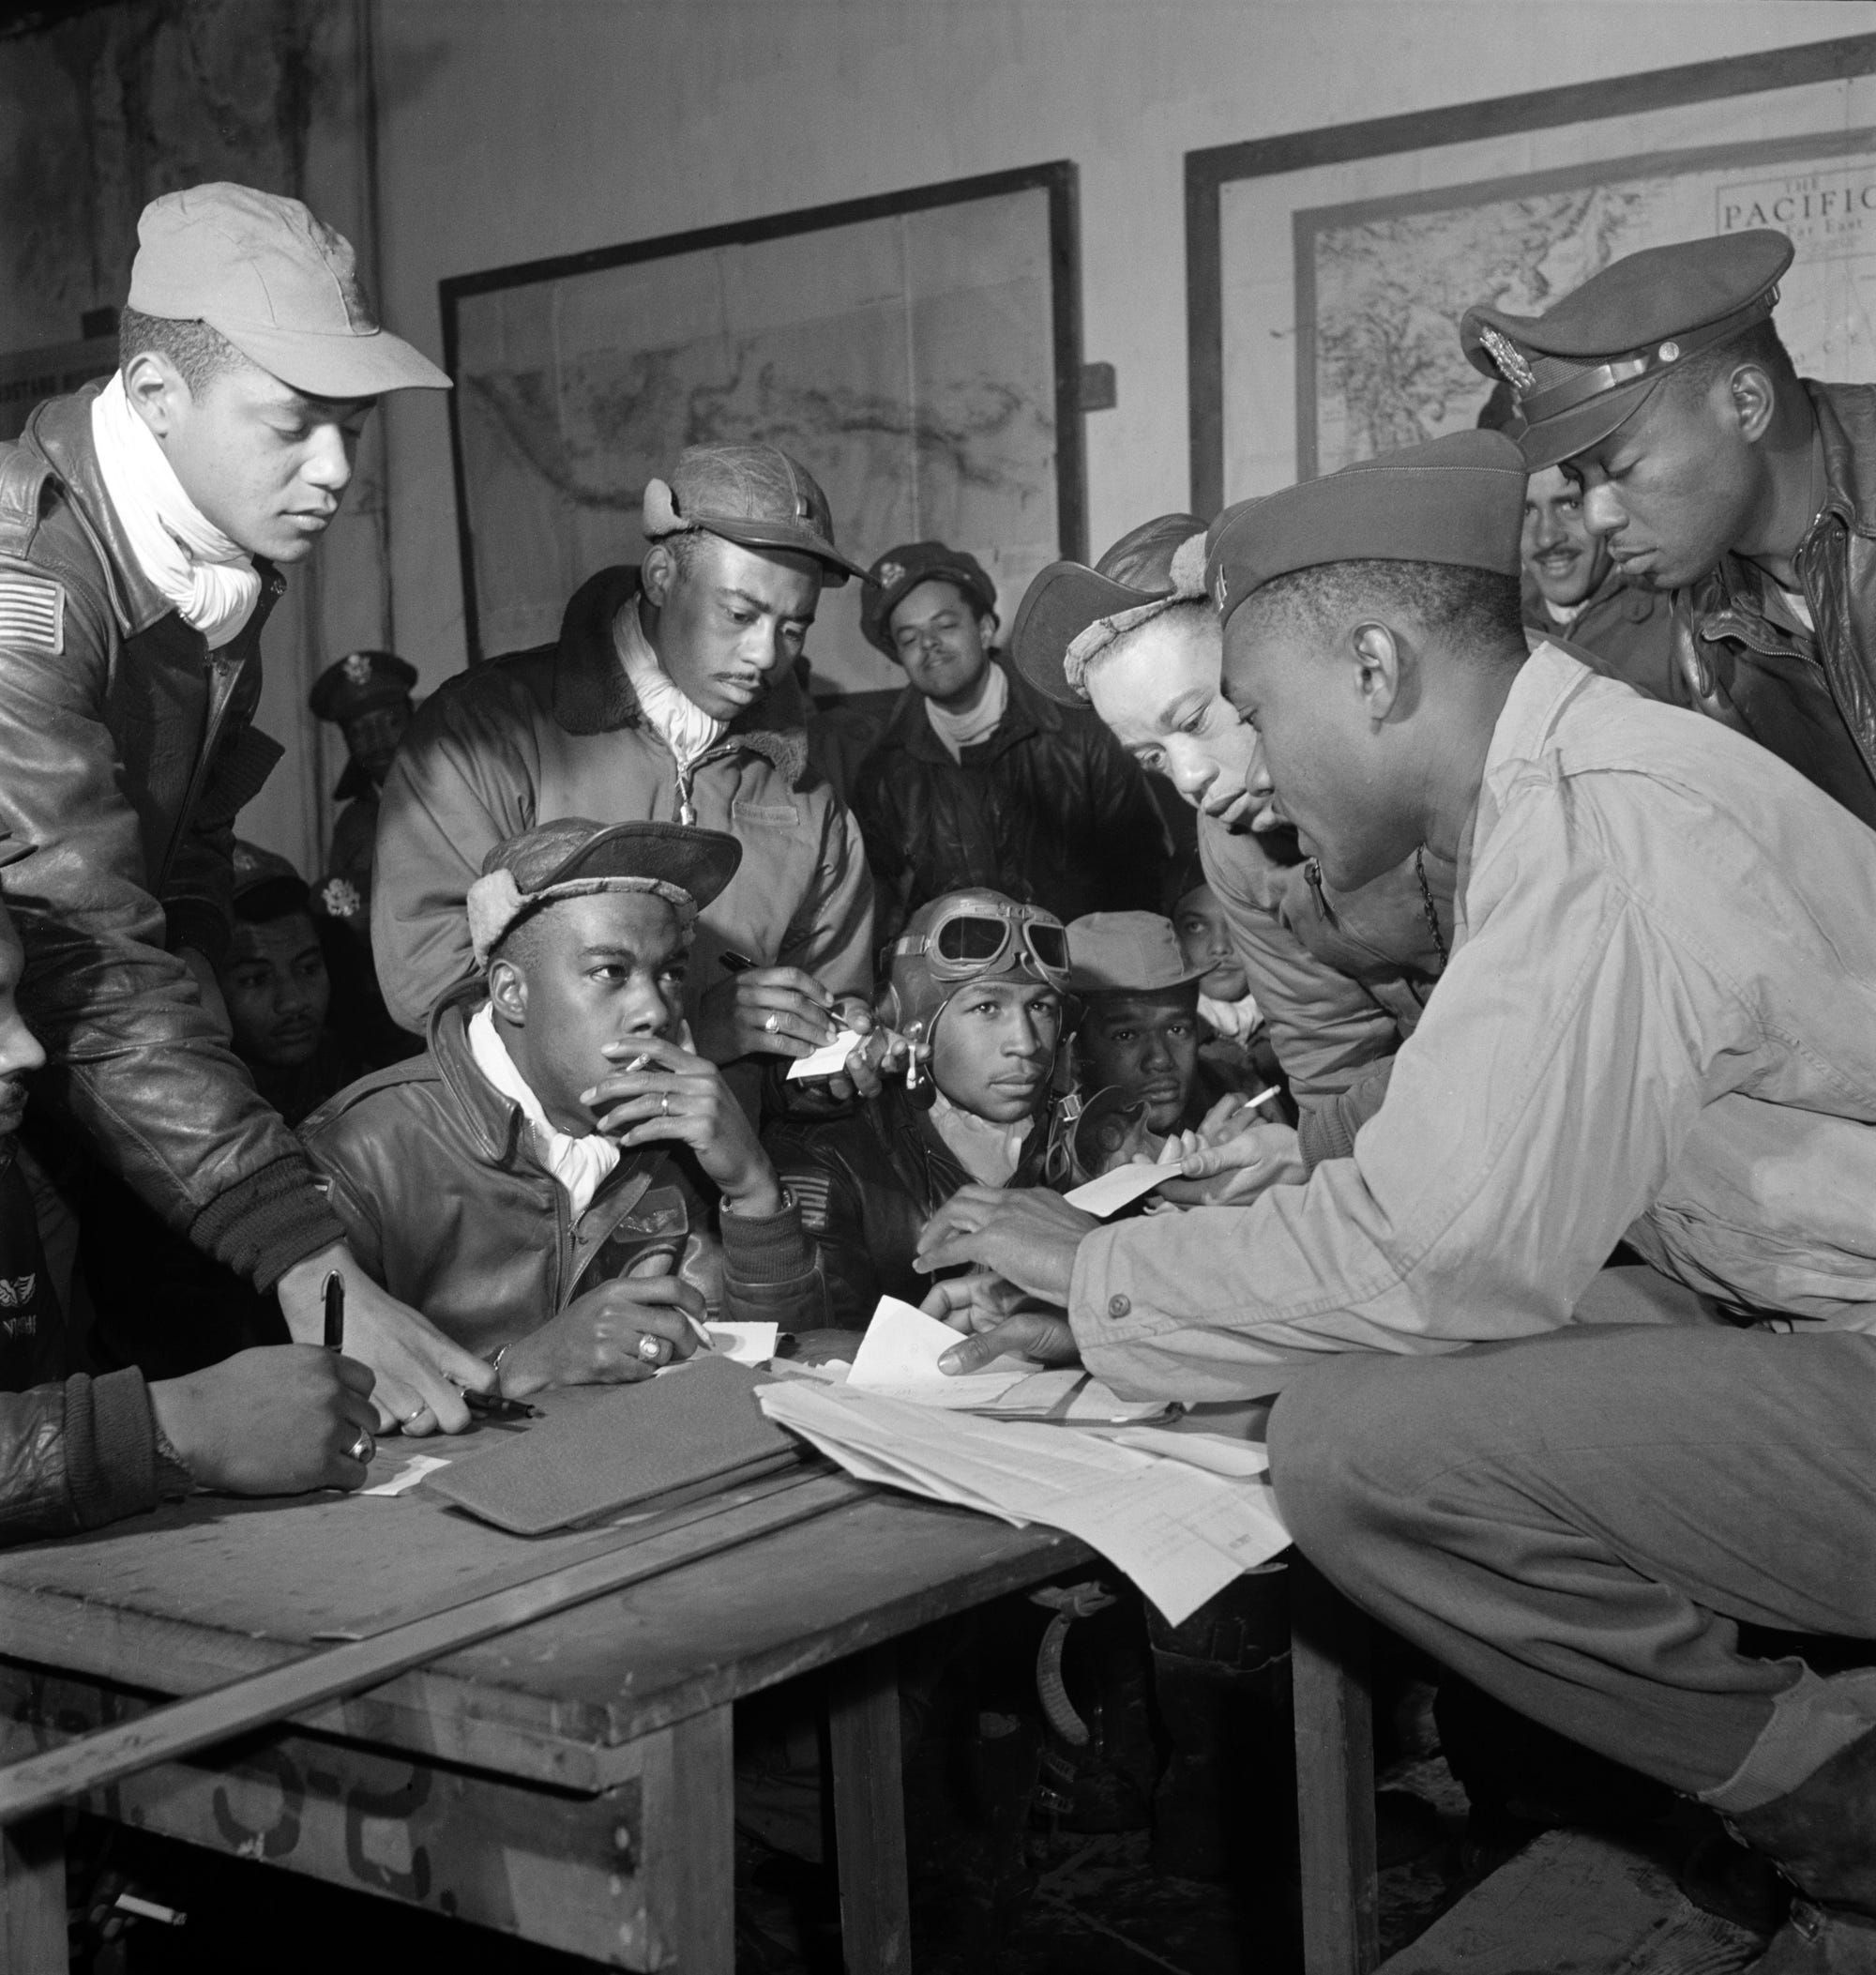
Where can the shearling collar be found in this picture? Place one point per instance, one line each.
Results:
(591, 695)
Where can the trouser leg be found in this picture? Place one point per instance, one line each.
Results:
(1579, 1524)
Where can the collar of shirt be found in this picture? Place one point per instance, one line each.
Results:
(580, 1164)
(209, 577)
(1564, 615)
(989, 1153)
(959, 731)
(682, 725)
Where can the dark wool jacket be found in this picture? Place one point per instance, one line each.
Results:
(1625, 631)
(558, 732)
(432, 1172)
(1048, 809)
(1742, 659)
(126, 749)
(867, 1183)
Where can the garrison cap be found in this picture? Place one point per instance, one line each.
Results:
(900, 571)
(1458, 500)
(756, 496)
(574, 856)
(1584, 367)
(358, 681)
(1071, 613)
(257, 870)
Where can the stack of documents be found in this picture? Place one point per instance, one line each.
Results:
(1181, 1513)
(898, 1358)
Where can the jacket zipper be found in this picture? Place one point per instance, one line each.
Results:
(221, 690)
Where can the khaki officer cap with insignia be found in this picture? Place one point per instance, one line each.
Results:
(1587, 366)
(360, 679)
(1458, 500)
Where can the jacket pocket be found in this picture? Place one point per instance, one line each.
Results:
(774, 815)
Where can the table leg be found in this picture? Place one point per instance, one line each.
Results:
(870, 1812)
(32, 1897)
(1331, 1647)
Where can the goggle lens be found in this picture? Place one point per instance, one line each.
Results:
(967, 941)
(1050, 945)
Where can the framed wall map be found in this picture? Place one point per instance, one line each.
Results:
(1327, 271)
(920, 353)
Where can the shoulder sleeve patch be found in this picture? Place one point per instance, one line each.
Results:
(32, 613)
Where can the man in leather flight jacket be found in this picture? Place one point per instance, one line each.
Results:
(141, 524)
(1715, 472)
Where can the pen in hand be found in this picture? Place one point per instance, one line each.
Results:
(335, 1310)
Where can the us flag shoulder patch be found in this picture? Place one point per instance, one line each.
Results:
(32, 613)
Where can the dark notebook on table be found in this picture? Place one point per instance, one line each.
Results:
(604, 1448)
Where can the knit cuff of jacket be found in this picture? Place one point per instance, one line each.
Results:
(109, 1447)
(264, 1223)
(1326, 1133)
(767, 1249)
(194, 922)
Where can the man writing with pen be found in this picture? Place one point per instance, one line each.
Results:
(560, 1182)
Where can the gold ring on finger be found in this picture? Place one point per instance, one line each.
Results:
(664, 1105)
(773, 1023)
(363, 1448)
(649, 1350)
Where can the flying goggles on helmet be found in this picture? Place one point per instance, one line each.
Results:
(968, 937)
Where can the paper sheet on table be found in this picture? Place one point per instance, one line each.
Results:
(1215, 1453)
(409, 1475)
(898, 1356)
(744, 1343)
(829, 1060)
(1182, 1534)
(1108, 1193)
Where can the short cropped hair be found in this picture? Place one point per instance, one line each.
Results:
(1760, 344)
(1478, 614)
(200, 354)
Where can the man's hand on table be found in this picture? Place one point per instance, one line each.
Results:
(1028, 1235)
(617, 1334)
(986, 1306)
(422, 1375)
(279, 1420)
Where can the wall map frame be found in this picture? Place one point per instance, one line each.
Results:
(1326, 269)
(920, 350)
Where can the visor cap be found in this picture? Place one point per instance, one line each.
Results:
(360, 679)
(756, 496)
(1459, 500)
(1585, 367)
(900, 571)
(280, 285)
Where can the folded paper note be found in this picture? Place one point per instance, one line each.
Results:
(829, 1060)
(744, 1343)
(1120, 1187)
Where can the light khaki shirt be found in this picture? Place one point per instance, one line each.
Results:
(1659, 1022)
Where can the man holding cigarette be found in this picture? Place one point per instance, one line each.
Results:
(560, 1180)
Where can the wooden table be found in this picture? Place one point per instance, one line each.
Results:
(568, 1782)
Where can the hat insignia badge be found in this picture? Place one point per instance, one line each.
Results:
(1508, 357)
(890, 573)
(358, 668)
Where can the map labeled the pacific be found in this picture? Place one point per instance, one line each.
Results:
(1390, 280)
(907, 362)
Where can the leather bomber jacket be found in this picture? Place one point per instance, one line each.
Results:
(1048, 808)
(868, 1182)
(1810, 699)
(126, 749)
(432, 1171)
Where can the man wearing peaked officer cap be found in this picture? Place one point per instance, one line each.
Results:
(1715, 472)
(563, 1073)
(979, 780)
(144, 523)
(1658, 1025)
(367, 696)
(668, 695)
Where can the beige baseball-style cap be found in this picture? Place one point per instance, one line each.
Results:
(280, 285)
